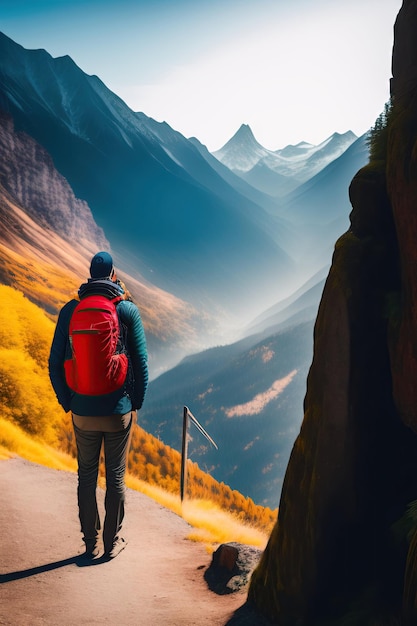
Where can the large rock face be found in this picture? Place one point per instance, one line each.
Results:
(340, 545)
(402, 189)
(28, 174)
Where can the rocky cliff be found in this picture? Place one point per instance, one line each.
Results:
(28, 174)
(37, 205)
(47, 235)
(338, 553)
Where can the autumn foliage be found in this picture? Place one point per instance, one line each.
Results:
(158, 464)
(27, 399)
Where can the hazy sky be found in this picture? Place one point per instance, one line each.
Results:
(294, 71)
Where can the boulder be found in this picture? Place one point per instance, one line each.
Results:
(231, 567)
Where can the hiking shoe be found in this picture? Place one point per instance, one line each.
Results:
(91, 550)
(119, 544)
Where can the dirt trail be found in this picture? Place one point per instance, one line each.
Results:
(158, 580)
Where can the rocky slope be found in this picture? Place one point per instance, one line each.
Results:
(347, 518)
(47, 235)
(28, 173)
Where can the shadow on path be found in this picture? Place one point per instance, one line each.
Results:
(80, 560)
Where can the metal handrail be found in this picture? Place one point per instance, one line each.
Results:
(184, 453)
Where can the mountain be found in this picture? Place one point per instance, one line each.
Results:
(242, 151)
(312, 214)
(266, 179)
(328, 188)
(301, 306)
(279, 172)
(248, 395)
(319, 209)
(28, 175)
(243, 187)
(169, 215)
(306, 160)
(48, 236)
(316, 213)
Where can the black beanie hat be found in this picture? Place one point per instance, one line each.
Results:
(101, 265)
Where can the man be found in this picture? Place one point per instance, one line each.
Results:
(105, 418)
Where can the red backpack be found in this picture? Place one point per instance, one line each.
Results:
(98, 365)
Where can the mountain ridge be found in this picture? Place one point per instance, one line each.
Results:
(112, 158)
(288, 167)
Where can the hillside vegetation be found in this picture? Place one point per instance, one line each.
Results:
(34, 426)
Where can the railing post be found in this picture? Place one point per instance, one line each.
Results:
(184, 453)
(183, 477)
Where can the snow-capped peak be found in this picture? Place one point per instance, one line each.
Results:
(302, 161)
(242, 151)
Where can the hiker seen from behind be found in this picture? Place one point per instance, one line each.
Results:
(99, 371)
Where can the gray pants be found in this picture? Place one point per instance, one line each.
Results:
(116, 446)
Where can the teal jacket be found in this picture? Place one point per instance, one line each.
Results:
(128, 398)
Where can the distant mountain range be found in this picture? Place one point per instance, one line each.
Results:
(319, 209)
(307, 187)
(278, 172)
(228, 249)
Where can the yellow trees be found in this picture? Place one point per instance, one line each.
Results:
(26, 396)
(24, 392)
(24, 326)
(157, 464)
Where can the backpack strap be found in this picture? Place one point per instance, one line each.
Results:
(105, 288)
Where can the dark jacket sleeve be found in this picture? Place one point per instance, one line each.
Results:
(137, 349)
(58, 354)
